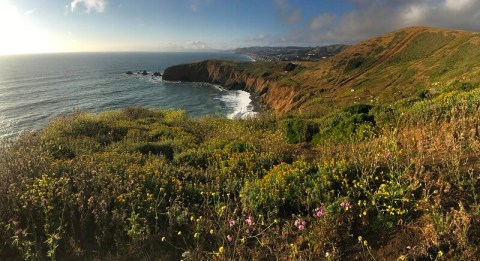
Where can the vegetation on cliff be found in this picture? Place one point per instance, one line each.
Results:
(372, 181)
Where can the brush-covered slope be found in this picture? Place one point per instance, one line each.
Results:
(397, 65)
(380, 70)
(398, 181)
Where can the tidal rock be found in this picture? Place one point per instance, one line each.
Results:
(129, 72)
(157, 74)
(144, 73)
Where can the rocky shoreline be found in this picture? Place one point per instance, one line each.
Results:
(236, 76)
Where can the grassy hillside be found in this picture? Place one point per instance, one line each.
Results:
(392, 179)
(387, 68)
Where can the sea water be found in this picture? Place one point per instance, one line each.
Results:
(34, 89)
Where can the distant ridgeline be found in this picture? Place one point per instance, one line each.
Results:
(291, 53)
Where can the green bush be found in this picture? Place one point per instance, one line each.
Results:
(283, 190)
(164, 149)
(354, 123)
(299, 130)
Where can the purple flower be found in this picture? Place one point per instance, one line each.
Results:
(229, 238)
(249, 220)
(319, 212)
(346, 205)
(231, 222)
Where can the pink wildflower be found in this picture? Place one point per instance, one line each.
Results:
(229, 238)
(319, 212)
(346, 205)
(249, 220)
(300, 224)
(231, 222)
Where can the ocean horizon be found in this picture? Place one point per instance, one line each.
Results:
(36, 88)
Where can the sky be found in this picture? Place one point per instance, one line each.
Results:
(44, 26)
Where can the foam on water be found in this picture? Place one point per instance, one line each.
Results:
(241, 103)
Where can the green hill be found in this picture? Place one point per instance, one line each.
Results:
(397, 65)
(368, 155)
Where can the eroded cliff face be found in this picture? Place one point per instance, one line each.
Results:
(281, 98)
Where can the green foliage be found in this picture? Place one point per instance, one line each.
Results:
(299, 130)
(299, 187)
(354, 123)
(442, 106)
(421, 47)
(358, 63)
(284, 190)
(458, 85)
(152, 184)
(164, 149)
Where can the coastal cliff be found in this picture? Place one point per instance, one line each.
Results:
(278, 95)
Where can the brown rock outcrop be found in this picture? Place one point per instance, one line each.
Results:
(281, 98)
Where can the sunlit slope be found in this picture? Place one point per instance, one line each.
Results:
(393, 66)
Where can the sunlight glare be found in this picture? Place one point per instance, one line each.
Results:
(19, 35)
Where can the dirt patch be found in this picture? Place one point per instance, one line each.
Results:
(402, 242)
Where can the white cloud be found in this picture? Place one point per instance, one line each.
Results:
(259, 38)
(196, 45)
(294, 16)
(458, 4)
(322, 21)
(97, 5)
(413, 14)
(369, 18)
(287, 13)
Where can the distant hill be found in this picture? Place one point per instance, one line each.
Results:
(291, 53)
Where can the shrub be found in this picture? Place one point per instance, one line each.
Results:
(164, 149)
(285, 189)
(351, 124)
(298, 130)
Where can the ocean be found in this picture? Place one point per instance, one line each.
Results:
(34, 89)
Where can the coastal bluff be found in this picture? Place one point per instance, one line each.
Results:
(259, 78)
